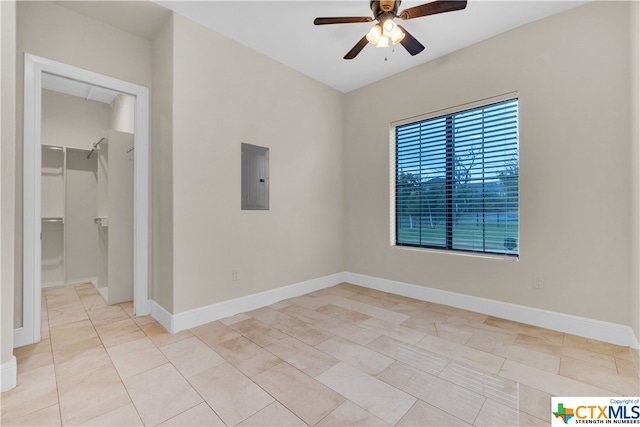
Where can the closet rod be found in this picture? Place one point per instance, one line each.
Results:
(131, 149)
(94, 147)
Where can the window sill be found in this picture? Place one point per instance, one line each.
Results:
(456, 253)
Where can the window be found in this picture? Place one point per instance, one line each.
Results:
(456, 180)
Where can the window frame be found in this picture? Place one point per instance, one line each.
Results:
(393, 176)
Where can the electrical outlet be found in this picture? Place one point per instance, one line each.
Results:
(538, 282)
(235, 275)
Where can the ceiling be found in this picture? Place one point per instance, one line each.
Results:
(284, 30)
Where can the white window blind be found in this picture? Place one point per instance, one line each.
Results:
(456, 181)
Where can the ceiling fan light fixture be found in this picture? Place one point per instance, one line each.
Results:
(397, 36)
(373, 36)
(388, 27)
(383, 42)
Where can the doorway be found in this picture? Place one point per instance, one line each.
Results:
(35, 68)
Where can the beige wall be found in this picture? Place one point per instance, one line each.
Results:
(162, 167)
(635, 166)
(225, 94)
(7, 171)
(72, 121)
(54, 32)
(571, 71)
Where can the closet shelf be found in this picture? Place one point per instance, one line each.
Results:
(52, 219)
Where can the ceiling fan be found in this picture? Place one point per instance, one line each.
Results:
(384, 11)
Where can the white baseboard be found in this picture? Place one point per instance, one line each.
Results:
(19, 338)
(8, 374)
(589, 328)
(581, 326)
(189, 319)
(77, 282)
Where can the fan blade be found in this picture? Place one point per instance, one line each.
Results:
(357, 48)
(342, 20)
(410, 43)
(433, 8)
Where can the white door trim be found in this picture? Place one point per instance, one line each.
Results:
(34, 66)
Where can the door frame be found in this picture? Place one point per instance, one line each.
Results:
(34, 66)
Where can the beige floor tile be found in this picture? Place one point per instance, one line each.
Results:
(119, 332)
(59, 301)
(291, 326)
(458, 312)
(308, 302)
(341, 292)
(123, 416)
(529, 357)
(246, 356)
(423, 414)
(34, 356)
(627, 368)
(534, 402)
(280, 305)
(191, 356)
(127, 307)
(65, 315)
(370, 310)
(393, 330)
(85, 287)
(273, 415)
(496, 414)
(378, 301)
(463, 354)
(448, 332)
(555, 385)
(234, 319)
(350, 414)
(410, 355)
(44, 329)
(80, 359)
(337, 327)
(363, 358)
(502, 390)
(106, 315)
(135, 357)
(159, 335)
(343, 314)
(199, 415)
(597, 346)
(257, 331)
(160, 394)
(597, 376)
(560, 350)
(309, 360)
(35, 390)
(231, 394)
(310, 400)
(422, 313)
(49, 417)
(377, 397)
(65, 335)
(214, 333)
(451, 398)
(90, 395)
(551, 337)
(92, 301)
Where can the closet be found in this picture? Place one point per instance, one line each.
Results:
(87, 194)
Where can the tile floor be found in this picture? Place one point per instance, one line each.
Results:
(342, 356)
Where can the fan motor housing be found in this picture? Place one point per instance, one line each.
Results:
(378, 7)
